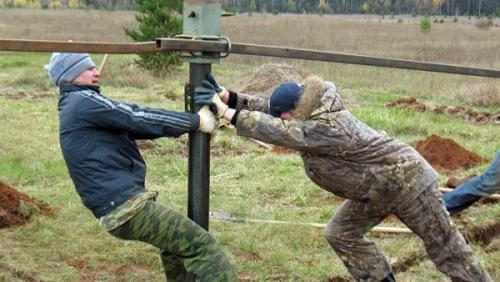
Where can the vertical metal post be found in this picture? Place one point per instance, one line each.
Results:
(201, 22)
(199, 159)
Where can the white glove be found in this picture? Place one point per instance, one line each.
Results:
(207, 120)
(221, 106)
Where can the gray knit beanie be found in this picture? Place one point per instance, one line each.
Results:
(65, 67)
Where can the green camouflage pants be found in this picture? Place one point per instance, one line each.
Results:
(185, 247)
(426, 216)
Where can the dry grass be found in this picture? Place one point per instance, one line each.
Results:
(249, 182)
(478, 94)
(456, 43)
(461, 43)
(76, 25)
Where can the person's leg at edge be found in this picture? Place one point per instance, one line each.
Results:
(185, 246)
(345, 233)
(473, 189)
(427, 217)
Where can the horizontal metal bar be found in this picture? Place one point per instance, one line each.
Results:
(77, 47)
(260, 50)
(171, 44)
(305, 54)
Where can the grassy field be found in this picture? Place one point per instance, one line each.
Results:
(246, 180)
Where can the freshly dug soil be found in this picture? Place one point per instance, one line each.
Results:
(460, 112)
(446, 154)
(483, 234)
(16, 207)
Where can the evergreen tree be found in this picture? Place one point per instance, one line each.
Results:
(253, 7)
(425, 25)
(157, 18)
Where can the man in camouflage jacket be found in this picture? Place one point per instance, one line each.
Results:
(377, 174)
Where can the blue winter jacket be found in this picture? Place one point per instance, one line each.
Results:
(97, 140)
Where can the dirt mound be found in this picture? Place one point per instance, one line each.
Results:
(458, 112)
(406, 263)
(263, 81)
(409, 103)
(16, 207)
(483, 234)
(444, 153)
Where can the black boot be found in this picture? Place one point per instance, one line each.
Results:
(389, 278)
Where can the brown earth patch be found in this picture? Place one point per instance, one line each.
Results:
(75, 262)
(17, 96)
(93, 273)
(16, 208)
(35, 95)
(339, 279)
(446, 154)
(470, 115)
(145, 144)
(405, 263)
(283, 150)
(249, 256)
(483, 234)
(43, 95)
(485, 200)
(453, 182)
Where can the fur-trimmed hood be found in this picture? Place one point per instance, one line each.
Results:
(319, 96)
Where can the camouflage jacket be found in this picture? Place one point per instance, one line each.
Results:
(341, 154)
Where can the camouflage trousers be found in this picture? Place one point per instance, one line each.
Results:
(426, 216)
(185, 247)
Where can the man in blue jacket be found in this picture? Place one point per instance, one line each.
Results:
(97, 138)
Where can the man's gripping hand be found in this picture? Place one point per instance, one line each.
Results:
(223, 93)
(207, 95)
(207, 120)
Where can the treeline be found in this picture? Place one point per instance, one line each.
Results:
(383, 7)
(72, 4)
